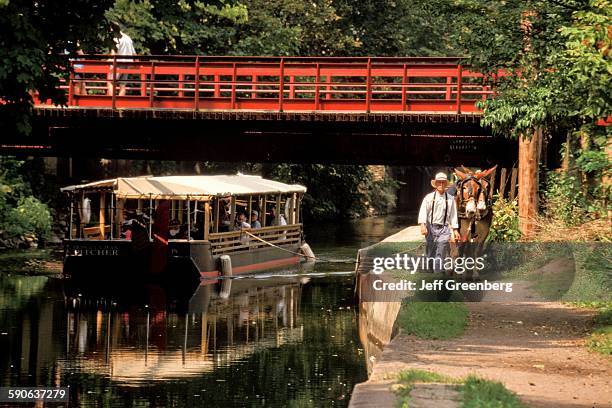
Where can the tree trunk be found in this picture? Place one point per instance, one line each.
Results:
(529, 155)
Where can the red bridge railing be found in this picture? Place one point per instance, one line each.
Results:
(290, 84)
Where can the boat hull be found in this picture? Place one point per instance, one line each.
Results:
(177, 260)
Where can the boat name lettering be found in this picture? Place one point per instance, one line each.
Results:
(96, 250)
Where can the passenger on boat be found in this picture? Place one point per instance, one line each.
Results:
(241, 222)
(126, 230)
(224, 215)
(255, 220)
(272, 218)
(176, 230)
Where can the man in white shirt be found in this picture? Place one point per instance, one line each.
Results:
(125, 46)
(437, 217)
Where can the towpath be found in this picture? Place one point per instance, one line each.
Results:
(536, 349)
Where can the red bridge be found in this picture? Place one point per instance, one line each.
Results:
(289, 84)
(314, 109)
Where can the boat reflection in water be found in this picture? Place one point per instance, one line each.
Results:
(169, 340)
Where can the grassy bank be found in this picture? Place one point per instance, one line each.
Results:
(475, 392)
(433, 320)
(600, 340)
(30, 262)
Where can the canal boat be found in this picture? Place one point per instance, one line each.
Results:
(204, 226)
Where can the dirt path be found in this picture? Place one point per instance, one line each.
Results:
(536, 349)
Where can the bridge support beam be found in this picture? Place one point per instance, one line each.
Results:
(530, 147)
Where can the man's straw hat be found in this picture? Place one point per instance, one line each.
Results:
(440, 176)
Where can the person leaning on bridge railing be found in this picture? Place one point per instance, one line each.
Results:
(124, 46)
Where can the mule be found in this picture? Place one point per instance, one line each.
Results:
(474, 210)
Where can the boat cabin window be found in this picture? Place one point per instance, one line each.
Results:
(101, 215)
(233, 213)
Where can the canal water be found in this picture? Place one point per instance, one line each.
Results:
(282, 339)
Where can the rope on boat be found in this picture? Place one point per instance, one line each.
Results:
(281, 248)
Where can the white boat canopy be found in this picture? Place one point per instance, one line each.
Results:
(179, 187)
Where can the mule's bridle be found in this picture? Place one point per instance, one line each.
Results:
(461, 212)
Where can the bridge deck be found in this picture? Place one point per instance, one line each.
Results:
(290, 84)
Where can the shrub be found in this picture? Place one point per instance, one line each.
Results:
(21, 214)
(563, 199)
(505, 224)
(382, 195)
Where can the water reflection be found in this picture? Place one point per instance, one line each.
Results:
(135, 346)
(272, 341)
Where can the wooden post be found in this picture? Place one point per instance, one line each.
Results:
(249, 209)
(207, 219)
(233, 212)
(150, 217)
(71, 216)
(278, 210)
(297, 208)
(112, 215)
(102, 215)
(294, 197)
(492, 184)
(119, 215)
(217, 220)
(502, 183)
(513, 184)
(529, 149)
(263, 212)
(189, 219)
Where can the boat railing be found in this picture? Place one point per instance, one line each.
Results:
(225, 242)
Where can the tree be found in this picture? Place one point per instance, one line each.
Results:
(556, 55)
(33, 39)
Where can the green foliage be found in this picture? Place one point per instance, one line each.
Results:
(333, 191)
(433, 320)
(600, 340)
(33, 37)
(187, 26)
(413, 375)
(382, 195)
(30, 216)
(557, 56)
(475, 392)
(564, 198)
(480, 393)
(505, 224)
(20, 213)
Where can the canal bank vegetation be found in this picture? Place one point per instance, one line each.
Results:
(600, 340)
(474, 392)
(24, 219)
(433, 320)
